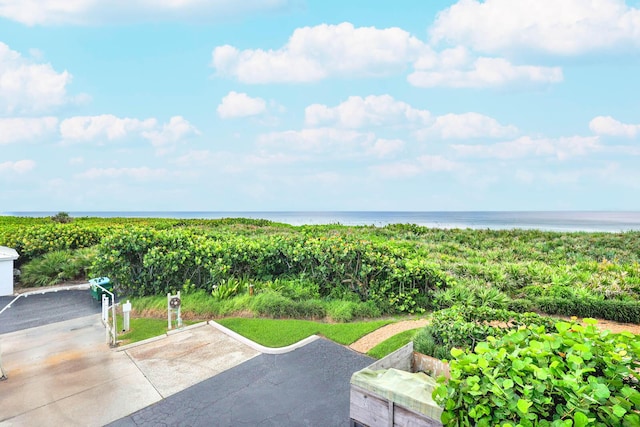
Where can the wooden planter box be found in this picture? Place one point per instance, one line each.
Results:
(370, 409)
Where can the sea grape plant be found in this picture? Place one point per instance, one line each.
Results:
(575, 377)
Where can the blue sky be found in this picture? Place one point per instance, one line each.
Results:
(185, 105)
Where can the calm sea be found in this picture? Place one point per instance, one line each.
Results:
(552, 221)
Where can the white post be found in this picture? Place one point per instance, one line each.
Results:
(179, 312)
(105, 309)
(113, 314)
(126, 309)
(169, 311)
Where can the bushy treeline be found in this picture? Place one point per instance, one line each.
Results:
(150, 262)
(403, 268)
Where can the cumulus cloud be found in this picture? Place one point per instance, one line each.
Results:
(315, 53)
(318, 140)
(422, 164)
(84, 12)
(27, 86)
(109, 127)
(526, 146)
(176, 130)
(236, 104)
(87, 128)
(20, 166)
(466, 126)
(607, 125)
(357, 112)
(457, 68)
(138, 174)
(26, 129)
(567, 27)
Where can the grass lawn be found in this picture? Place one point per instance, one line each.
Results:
(142, 328)
(392, 344)
(280, 333)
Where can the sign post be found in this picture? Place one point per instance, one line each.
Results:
(173, 306)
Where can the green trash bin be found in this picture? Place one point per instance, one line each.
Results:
(97, 292)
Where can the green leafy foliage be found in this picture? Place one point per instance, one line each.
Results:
(574, 376)
(399, 268)
(56, 267)
(465, 326)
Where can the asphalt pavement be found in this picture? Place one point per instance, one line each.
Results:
(43, 309)
(306, 387)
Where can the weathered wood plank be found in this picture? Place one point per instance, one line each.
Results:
(368, 408)
(399, 359)
(430, 365)
(404, 417)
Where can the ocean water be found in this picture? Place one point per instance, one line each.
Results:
(609, 221)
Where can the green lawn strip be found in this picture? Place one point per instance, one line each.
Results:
(392, 344)
(281, 333)
(142, 328)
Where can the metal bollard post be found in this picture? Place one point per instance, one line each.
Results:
(126, 309)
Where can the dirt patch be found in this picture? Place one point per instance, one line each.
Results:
(369, 341)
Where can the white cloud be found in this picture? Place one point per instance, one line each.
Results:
(20, 166)
(83, 12)
(26, 86)
(463, 71)
(236, 104)
(357, 112)
(320, 140)
(110, 127)
(315, 53)
(566, 27)
(465, 126)
(26, 129)
(437, 164)
(171, 133)
(383, 110)
(607, 125)
(560, 148)
(88, 128)
(138, 174)
(385, 147)
(76, 160)
(423, 164)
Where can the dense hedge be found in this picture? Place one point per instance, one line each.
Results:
(619, 311)
(150, 262)
(32, 242)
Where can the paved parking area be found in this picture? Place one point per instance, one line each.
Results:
(62, 372)
(306, 387)
(43, 309)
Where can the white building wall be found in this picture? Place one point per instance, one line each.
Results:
(6, 277)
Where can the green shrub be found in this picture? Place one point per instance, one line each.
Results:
(463, 327)
(56, 267)
(298, 289)
(471, 294)
(577, 376)
(520, 305)
(62, 218)
(271, 304)
(226, 289)
(617, 310)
